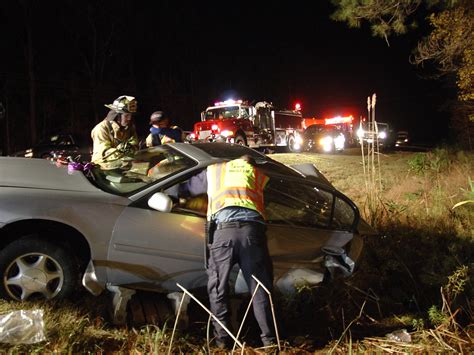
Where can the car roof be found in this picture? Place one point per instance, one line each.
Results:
(209, 153)
(216, 151)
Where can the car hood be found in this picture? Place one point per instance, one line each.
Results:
(41, 174)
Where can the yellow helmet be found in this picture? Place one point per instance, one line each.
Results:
(124, 104)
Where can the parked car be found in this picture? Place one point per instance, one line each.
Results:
(324, 138)
(133, 227)
(59, 145)
(382, 134)
(402, 139)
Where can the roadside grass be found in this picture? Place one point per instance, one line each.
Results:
(416, 275)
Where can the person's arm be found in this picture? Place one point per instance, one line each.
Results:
(102, 146)
(197, 184)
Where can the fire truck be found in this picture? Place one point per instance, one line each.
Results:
(260, 125)
(344, 123)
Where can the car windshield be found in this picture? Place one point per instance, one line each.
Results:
(143, 169)
(222, 113)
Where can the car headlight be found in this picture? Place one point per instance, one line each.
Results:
(326, 140)
(29, 153)
(298, 139)
(339, 141)
(360, 133)
(382, 135)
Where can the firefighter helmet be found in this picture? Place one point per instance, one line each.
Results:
(124, 104)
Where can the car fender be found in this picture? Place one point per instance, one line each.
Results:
(92, 215)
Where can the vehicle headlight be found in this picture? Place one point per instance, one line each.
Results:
(382, 135)
(360, 133)
(298, 139)
(339, 141)
(226, 133)
(29, 153)
(326, 140)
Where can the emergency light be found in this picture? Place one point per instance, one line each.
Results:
(338, 120)
(227, 102)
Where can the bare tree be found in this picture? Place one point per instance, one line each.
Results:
(28, 11)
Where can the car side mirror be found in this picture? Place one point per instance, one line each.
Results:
(160, 202)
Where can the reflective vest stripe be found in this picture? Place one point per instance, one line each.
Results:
(242, 193)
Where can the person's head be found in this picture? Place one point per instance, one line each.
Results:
(159, 119)
(249, 159)
(122, 109)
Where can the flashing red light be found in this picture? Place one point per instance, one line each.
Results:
(297, 106)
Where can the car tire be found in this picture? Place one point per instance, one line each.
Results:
(239, 139)
(32, 268)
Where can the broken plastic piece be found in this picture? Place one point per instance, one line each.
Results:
(400, 335)
(121, 296)
(342, 263)
(22, 327)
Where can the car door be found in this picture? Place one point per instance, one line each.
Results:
(155, 250)
(302, 219)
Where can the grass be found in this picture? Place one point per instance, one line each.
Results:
(417, 275)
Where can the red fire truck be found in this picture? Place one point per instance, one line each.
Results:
(259, 125)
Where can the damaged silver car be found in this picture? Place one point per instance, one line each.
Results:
(134, 227)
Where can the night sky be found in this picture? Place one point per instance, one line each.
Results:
(182, 57)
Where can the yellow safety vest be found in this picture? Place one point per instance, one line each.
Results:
(235, 183)
(165, 139)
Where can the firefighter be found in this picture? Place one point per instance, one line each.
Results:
(161, 132)
(116, 136)
(236, 234)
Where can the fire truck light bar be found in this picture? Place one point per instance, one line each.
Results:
(338, 120)
(227, 102)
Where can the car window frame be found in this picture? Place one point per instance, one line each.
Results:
(335, 194)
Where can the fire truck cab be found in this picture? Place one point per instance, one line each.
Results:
(256, 126)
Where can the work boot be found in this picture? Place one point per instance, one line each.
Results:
(270, 346)
(224, 343)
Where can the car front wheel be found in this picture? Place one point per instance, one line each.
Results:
(32, 268)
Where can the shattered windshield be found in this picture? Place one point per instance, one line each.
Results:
(223, 113)
(144, 168)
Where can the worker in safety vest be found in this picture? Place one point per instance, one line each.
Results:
(161, 132)
(236, 234)
(116, 136)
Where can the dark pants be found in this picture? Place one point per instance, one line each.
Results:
(245, 244)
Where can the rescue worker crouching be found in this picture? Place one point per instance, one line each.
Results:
(115, 137)
(236, 234)
(161, 132)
